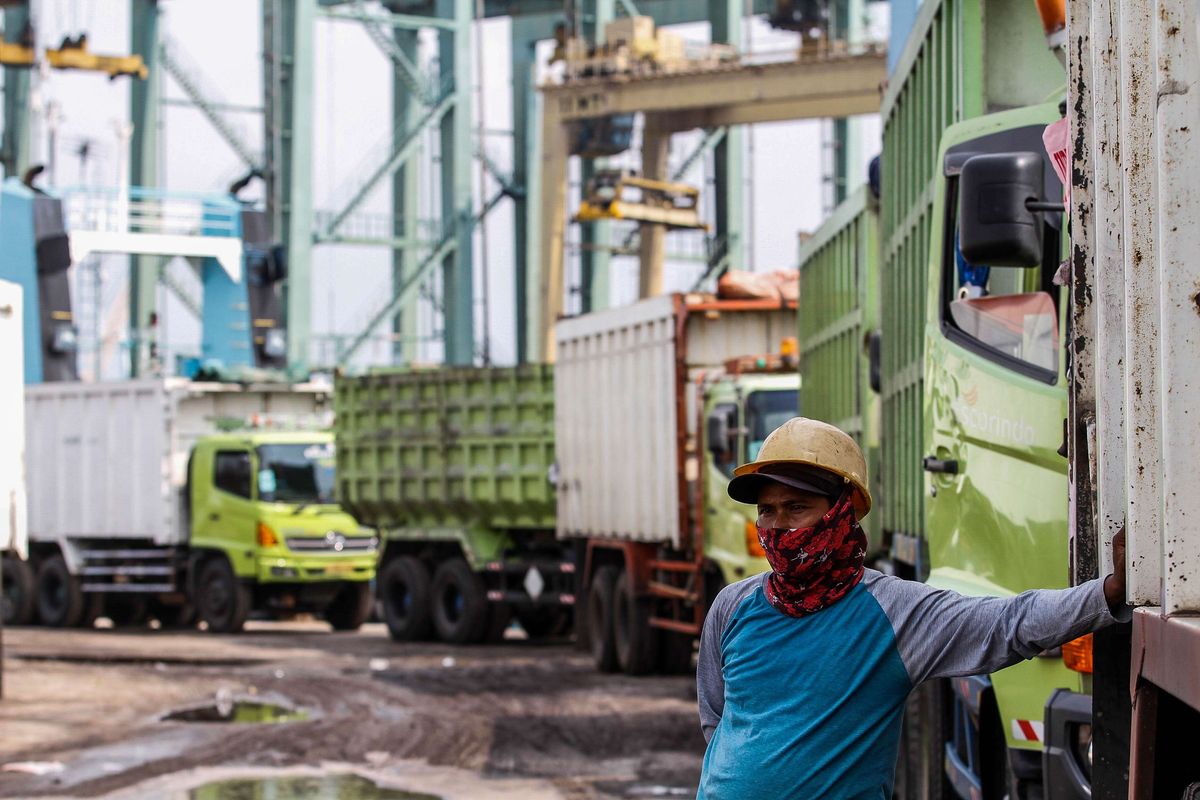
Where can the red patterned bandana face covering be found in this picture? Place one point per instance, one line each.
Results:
(813, 568)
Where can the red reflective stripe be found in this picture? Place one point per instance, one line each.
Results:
(1027, 729)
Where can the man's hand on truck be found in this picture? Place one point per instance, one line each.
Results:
(1114, 584)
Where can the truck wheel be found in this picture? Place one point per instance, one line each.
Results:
(404, 594)
(637, 642)
(19, 594)
(924, 733)
(221, 599)
(600, 601)
(60, 601)
(460, 607)
(350, 608)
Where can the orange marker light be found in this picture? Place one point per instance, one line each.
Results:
(1077, 654)
(789, 347)
(266, 536)
(753, 546)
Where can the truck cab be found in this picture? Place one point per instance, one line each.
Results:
(741, 407)
(994, 406)
(266, 530)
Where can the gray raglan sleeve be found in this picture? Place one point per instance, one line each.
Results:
(710, 680)
(942, 634)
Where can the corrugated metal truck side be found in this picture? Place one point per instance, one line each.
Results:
(628, 447)
(1134, 70)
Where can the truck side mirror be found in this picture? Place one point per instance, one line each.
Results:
(718, 433)
(996, 226)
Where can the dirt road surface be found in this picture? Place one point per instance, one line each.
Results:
(519, 719)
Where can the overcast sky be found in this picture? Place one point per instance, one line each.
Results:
(352, 117)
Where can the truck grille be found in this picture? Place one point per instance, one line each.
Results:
(332, 542)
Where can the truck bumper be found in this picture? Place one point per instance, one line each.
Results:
(1063, 774)
(314, 569)
(531, 582)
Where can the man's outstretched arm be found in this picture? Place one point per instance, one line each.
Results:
(941, 633)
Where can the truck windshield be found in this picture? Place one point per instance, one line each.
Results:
(766, 411)
(296, 473)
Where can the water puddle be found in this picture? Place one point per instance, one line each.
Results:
(242, 712)
(325, 787)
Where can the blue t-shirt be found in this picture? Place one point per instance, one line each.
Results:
(810, 707)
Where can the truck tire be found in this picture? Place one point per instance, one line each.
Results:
(600, 602)
(459, 603)
(19, 594)
(350, 607)
(222, 600)
(924, 733)
(404, 594)
(60, 600)
(637, 642)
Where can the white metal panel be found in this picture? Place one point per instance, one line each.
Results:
(13, 529)
(1177, 34)
(97, 459)
(616, 424)
(715, 337)
(1109, 280)
(1143, 423)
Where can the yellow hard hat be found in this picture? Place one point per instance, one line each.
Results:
(809, 455)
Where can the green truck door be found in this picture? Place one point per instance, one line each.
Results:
(996, 486)
(227, 515)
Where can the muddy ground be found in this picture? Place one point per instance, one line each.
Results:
(518, 719)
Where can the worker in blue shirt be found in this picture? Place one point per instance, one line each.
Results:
(804, 670)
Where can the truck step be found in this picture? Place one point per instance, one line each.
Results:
(660, 589)
(678, 626)
(674, 566)
(107, 555)
(126, 570)
(130, 588)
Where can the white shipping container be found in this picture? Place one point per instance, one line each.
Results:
(13, 530)
(622, 379)
(109, 460)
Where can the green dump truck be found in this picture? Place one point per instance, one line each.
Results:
(516, 492)
(453, 468)
(175, 499)
(961, 365)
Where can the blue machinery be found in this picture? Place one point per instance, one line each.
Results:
(241, 268)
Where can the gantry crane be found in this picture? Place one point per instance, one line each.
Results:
(826, 85)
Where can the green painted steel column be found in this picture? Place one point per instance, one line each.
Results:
(454, 48)
(526, 173)
(405, 187)
(729, 155)
(143, 171)
(15, 149)
(595, 257)
(288, 86)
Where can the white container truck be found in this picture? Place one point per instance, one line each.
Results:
(15, 579)
(167, 496)
(655, 404)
